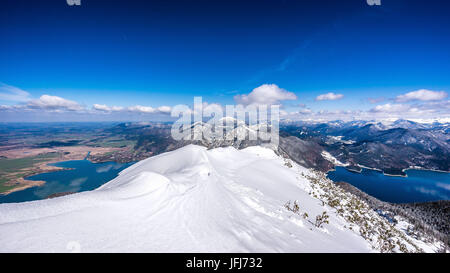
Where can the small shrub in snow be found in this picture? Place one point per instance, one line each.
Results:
(321, 219)
(295, 208)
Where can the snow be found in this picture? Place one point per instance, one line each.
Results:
(332, 159)
(337, 139)
(188, 200)
(441, 120)
(429, 247)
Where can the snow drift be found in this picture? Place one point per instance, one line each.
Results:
(188, 200)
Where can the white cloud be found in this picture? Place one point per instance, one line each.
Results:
(5, 107)
(150, 110)
(422, 95)
(266, 94)
(329, 96)
(101, 107)
(11, 93)
(105, 108)
(26, 103)
(165, 109)
(305, 111)
(54, 103)
(142, 109)
(439, 109)
(137, 109)
(296, 114)
(428, 110)
(284, 113)
(390, 108)
(212, 107)
(117, 108)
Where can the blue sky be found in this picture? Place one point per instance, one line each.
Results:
(163, 53)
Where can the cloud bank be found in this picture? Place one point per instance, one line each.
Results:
(420, 104)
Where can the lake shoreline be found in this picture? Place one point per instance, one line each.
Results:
(418, 186)
(70, 176)
(61, 154)
(383, 172)
(27, 183)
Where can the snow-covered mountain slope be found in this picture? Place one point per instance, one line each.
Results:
(188, 200)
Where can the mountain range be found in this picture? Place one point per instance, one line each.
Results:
(391, 148)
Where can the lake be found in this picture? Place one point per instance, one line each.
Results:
(82, 176)
(418, 186)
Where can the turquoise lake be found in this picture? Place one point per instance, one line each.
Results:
(418, 186)
(82, 176)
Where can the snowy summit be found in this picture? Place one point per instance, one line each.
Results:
(188, 200)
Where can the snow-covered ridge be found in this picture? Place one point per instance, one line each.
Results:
(189, 200)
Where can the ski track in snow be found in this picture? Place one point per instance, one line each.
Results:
(188, 200)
